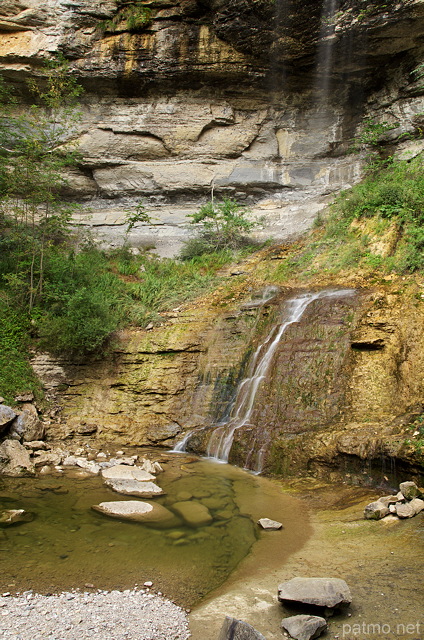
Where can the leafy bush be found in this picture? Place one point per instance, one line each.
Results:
(223, 226)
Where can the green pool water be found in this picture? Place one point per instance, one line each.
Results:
(68, 545)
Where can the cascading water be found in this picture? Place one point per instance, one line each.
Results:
(222, 437)
(324, 62)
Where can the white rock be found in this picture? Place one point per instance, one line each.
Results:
(124, 472)
(270, 525)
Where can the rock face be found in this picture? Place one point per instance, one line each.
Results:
(304, 627)
(321, 592)
(169, 111)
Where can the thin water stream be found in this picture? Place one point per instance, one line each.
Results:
(68, 545)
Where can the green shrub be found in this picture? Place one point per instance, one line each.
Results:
(222, 226)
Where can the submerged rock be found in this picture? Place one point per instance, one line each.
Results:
(15, 460)
(234, 629)
(144, 489)
(12, 516)
(194, 513)
(136, 511)
(304, 627)
(321, 592)
(270, 525)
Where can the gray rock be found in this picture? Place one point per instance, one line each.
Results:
(304, 627)
(47, 458)
(144, 489)
(6, 416)
(417, 504)
(27, 426)
(388, 500)
(409, 490)
(234, 629)
(36, 445)
(321, 592)
(137, 511)
(270, 525)
(376, 510)
(194, 513)
(404, 510)
(409, 509)
(125, 472)
(15, 460)
(83, 463)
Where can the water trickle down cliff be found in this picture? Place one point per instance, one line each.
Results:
(225, 95)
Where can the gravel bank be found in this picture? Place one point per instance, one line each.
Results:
(76, 615)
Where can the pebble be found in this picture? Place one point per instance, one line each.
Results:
(116, 615)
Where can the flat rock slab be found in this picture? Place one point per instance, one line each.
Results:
(304, 627)
(145, 489)
(194, 513)
(125, 472)
(136, 511)
(269, 525)
(233, 629)
(11, 516)
(321, 592)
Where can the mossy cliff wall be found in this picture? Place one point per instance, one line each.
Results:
(346, 383)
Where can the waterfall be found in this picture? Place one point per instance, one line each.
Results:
(221, 440)
(325, 51)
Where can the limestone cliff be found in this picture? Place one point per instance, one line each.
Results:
(254, 99)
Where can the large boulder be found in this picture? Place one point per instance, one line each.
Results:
(6, 416)
(194, 513)
(304, 627)
(234, 629)
(27, 426)
(15, 460)
(137, 511)
(321, 592)
(409, 490)
(144, 489)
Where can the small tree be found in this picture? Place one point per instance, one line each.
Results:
(222, 225)
(33, 155)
